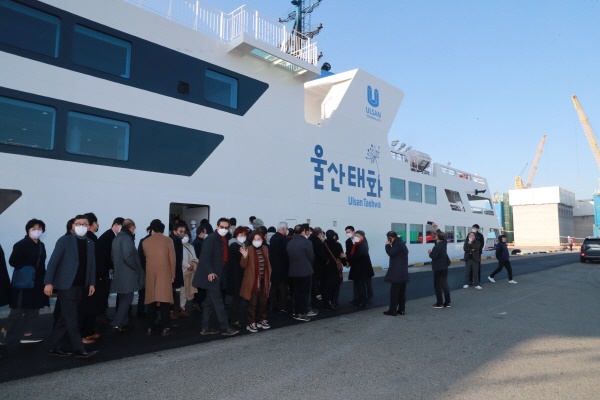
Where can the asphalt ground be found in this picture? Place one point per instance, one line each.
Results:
(547, 321)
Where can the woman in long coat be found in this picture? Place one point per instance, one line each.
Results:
(397, 273)
(235, 273)
(159, 252)
(26, 303)
(331, 279)
(256, 282)
(361, 268)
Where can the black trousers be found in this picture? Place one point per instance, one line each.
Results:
(278, 296)
(165, 311)
(301, 294)
(361, 291)
(502, 264)
(397, 297)
(440, 284)
(67, 323)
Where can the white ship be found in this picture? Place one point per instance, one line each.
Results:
(149, 108)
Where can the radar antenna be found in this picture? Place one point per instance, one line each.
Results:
(301, 16)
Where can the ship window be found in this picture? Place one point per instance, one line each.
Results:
(26, 124)
(416, 233)
(461, 233)
(101, 52)
(400, 229)
(221, 89)
(449, 230)
(29, 29)
(430, 195)
(415, 192)
(397, 189)
(455, 201)
(430, 234)
(93, 136)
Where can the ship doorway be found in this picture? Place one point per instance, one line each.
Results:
(188, 212)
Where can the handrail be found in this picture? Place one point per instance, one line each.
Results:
(227, 27)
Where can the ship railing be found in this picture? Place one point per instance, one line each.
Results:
(227, 27)
(484, 211)
(462, 174)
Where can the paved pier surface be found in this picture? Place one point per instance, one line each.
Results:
(537, 339)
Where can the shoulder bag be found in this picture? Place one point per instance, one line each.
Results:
(24, 277)
(338, 263)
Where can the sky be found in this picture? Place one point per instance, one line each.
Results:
(483, 80)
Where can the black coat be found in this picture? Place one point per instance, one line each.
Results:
(439, 256)
(211, 262)
(361, 268)
(320, 256)
(234, 272)
(27, 252)
(178, 282)
(479, 238)
(398, 267)
(4, 281)
(98, 302)
(331, 275)
(280, 265)
(197, 243)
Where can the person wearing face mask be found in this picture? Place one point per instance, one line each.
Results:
(361, 268)
(301, 257)
(235, 273)
(397, 273)
(26, 303)
(256, 281)
(317, 238)
(209, 275)
(128, 275)
(481, 240)
(177, 234)
(71, 269)
(503, 257)
(332, 277)
(280, 266)
(472, 260)
(439, 265)
(190, 262)
(349, 243)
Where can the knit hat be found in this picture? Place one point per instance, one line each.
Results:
(257, 223)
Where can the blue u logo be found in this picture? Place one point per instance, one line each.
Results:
(373, 98)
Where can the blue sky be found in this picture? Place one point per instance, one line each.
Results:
(483, 80)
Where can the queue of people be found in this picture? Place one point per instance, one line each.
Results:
(211, 272)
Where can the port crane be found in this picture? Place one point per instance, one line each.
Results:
(518, 180)
(594, 146)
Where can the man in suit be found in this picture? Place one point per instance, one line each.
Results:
(301, 257)
(70, 271)
(280, 267)
(209, 276)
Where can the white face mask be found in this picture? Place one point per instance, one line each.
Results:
(81, 231)
(355, 239)
(350, 235)
(241, 239)
(223, 232)
(119, 227)
(185, 239)
(257, 243)
(35, 234)
(471, 239)
(474, 230)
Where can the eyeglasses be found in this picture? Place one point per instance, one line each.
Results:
(81, 224)
(223, 227)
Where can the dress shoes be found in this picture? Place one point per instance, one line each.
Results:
(59, 353)
(85, 353)
(87, 340)
(391, 313)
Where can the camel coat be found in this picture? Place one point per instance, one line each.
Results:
(250, 267)
(160, 268)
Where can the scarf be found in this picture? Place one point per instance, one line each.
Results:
(256, 287)
(354, 246)
(225, 250)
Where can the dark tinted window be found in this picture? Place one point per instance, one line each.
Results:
(29, 29)
(26, 124)
(592, 242)
(94, 136)
(102, 52)
(221, 89)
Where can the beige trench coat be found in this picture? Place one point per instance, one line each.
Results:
(160, 268)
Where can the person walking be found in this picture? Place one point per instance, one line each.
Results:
(439, 265)
(159, 253)
(71, 272)
(128, 274)
(209, 275)
(301, 256)
(256, 282)
(26, 302)
(397, 273)
(472, 260)
(503, 257)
